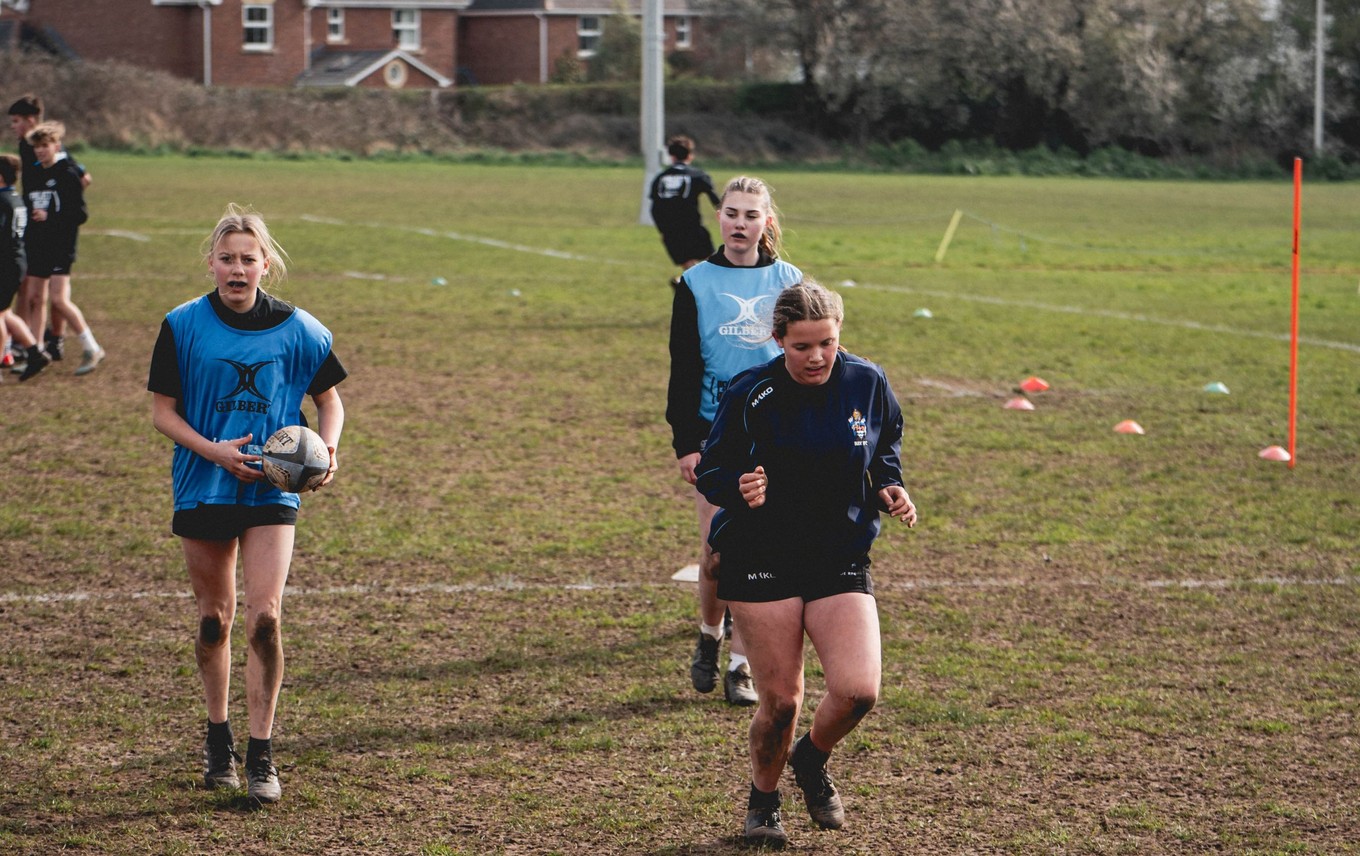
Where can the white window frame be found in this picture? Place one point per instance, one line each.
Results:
(335, 25)
(684, 32)
(406, 28)
(589, 30)
(264, 25)
(395, 74)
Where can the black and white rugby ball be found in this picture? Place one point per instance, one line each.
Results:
(295, 458)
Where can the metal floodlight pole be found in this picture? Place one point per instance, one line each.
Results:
(1317, 84)
(653, 99)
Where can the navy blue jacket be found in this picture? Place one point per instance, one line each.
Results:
(827, 450)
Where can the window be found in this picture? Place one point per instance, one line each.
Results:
(406, 28)
(257, 23)
(683, 34)
(335, 25)
(395, 74)
(589, 28)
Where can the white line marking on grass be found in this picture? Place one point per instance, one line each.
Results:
(119, 233)
(520, 248)
(511, 584)
(473, 239)
(1116, 583)
(1110, 313)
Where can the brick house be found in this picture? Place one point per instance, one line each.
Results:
(378, 43)
(523, 41)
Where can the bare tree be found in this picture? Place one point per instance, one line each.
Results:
(1160, 75)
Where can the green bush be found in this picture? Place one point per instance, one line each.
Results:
(772, 99)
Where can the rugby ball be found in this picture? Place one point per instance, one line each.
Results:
(295, 458)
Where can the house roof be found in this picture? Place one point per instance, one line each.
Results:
(348, 68)
(577, 7)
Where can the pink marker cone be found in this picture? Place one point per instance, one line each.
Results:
(1019, 403)
(1128, 426)
(1274, 453)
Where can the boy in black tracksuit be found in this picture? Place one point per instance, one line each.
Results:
(25, 114)
(56, 211)
(675, 195)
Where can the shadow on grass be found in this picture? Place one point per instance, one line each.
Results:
(513, 672)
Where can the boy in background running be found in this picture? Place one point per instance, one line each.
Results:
(675, 206)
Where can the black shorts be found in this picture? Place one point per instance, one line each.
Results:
(757, 580)
(7, 291)
(227, 522)
(48, 260)
(688, 245)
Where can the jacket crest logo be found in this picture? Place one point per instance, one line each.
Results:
(859, 426)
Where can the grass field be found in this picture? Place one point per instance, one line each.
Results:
(1094, 642)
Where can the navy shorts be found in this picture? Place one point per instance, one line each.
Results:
(753, 579)
(227, 522)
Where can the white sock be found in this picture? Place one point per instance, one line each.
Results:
(734, 661)
(714, 630)
(87, 340)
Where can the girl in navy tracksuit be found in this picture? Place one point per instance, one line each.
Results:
(229, 368)
(802, 458)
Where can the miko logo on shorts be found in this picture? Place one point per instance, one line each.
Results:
(751, 327)
(245, 383)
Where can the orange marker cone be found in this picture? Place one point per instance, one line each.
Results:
(1274, 453)
(1128, 426)
(1019, 403)
(1034, 384)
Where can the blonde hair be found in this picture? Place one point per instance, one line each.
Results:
(46, 132)
(806, 301)
(239, 219)
(773, 237)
